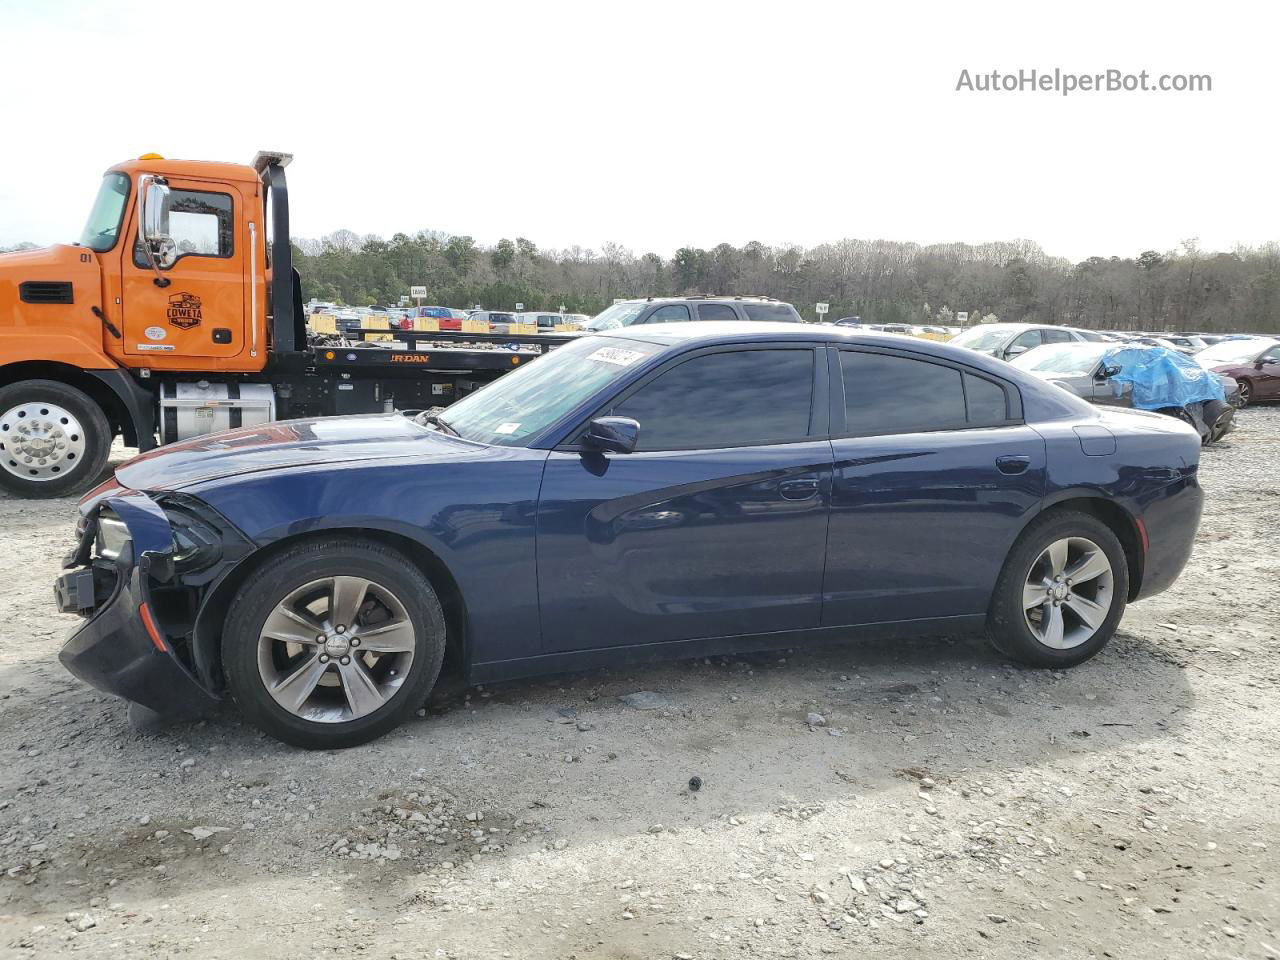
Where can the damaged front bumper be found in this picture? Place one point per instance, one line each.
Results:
(125, 578)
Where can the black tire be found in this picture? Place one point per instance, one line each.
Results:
(77, 476)
(300, 565)
(1007, 627)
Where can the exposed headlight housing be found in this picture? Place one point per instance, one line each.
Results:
(114, 542)
(196, 544)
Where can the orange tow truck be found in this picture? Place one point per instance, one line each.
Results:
(179, 313)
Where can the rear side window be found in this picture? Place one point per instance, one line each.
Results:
(671, 313)
(781, 312)
(748, 397)
(716, 311)
(885, 394)
(1056, 336)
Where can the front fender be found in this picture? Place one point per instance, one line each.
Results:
(477, 518)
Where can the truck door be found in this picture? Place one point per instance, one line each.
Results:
(201, 313)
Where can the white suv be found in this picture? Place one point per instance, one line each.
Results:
(1004, 341)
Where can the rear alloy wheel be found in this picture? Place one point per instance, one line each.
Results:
(333, 643)
(54, 439)
(1246, 392)
(1062, 591)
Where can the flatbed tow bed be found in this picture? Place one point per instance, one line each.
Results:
(433, 350)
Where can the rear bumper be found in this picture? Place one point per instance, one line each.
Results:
(114, 652)
(1170, 522)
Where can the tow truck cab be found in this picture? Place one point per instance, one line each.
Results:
(179, 313)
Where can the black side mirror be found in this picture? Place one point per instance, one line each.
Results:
(612, 434)
(1107, 372)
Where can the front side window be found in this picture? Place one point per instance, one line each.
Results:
(200, 225)
(741, 398)
(671, 313)
(1029, 339)
(103, 227)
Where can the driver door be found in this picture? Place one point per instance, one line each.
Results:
(201, 312)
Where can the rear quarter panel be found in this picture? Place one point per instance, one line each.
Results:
(1152, 475)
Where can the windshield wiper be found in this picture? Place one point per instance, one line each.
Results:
(432, 416)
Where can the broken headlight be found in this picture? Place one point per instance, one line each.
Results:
(113, 542)
(196, 544)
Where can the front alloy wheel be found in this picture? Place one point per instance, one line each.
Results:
(333, 642)
(336, 649)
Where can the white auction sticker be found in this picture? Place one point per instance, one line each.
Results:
(623, 358)
(155, 333)
(507, 428)
(156, 347)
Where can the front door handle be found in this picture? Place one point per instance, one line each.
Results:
(1013, 465)
(799, 488)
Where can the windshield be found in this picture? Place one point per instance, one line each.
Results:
(1233, 351)
(528, 400)
(1072, 359)
(612, 318)
(981, 338)
(108, 210)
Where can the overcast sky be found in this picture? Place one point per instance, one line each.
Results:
(657, 125)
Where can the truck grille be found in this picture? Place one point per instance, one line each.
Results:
(46, 291)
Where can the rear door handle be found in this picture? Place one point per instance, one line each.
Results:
(799, 488)
(1013, 465)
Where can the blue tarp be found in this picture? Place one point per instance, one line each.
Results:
(1162, 377)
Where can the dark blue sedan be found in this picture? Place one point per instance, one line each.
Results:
(671, 491)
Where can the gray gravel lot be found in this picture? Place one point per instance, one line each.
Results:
(941, 801)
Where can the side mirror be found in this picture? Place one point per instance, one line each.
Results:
(612, 434)
(1107, 372)
(1016, 350)
(153, 226)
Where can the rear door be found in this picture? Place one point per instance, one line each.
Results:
(201, 312)
(714, 526)
(935, 474)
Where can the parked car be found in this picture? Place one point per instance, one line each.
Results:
(670, 491)
(1004, 341)
(497, 319)
(628, 313)
(1116, 375)
(1253, 363)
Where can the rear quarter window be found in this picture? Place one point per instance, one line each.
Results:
(779, 312)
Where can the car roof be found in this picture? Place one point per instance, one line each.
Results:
(706, 298)
(712, 333)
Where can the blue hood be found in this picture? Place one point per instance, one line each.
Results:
(288, 443)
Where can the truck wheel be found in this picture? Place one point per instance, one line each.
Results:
(1061, 593)
(333, 643)
(54, 439)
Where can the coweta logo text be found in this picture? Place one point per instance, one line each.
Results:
(184, 311)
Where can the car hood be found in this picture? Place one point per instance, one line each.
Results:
(287, 443)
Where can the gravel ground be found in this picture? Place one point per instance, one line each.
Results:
(943, 801)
